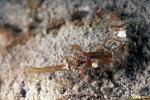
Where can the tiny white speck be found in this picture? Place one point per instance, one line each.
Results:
(86, 8)
(94, 64)
(122, 33)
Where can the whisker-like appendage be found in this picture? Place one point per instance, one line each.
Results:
(51, 69)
